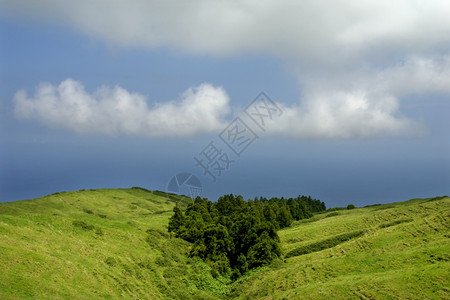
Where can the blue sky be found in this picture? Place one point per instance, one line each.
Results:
(94, 94)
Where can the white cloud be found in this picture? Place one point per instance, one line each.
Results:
(418, 75)
(327, 114)
(344, 114)
(356, 61)
(115, 110)
(364, 104)
(322, 31)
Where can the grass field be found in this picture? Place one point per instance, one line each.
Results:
(113, 243)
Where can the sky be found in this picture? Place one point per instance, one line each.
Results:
(346, 101)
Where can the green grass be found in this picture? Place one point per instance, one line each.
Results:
(113, 243)
(403, 254)
(94, 244)
(324, 244)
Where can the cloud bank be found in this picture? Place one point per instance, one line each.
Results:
(361, 104)
(356, 61)
(115, 110)
(344, 114)
(323, 31)
(204, 109)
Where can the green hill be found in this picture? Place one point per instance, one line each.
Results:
(114, 244)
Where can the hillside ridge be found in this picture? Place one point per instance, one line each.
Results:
(111, 243)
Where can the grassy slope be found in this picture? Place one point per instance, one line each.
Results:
(404, 253)
(43, 255)
(129, 253)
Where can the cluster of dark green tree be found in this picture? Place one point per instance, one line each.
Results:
(233, 235)
(281, 212)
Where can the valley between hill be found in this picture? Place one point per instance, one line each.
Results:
(114, 243)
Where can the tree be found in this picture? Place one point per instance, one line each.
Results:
(284, 217)
(263, 252)
(177, 220)
(233, 235)
(270, 215)
(214, 246)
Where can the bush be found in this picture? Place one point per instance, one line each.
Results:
(82, 225)
(141, 188)
(160, 193)
(437, 198)
(351, 206)
(396, 222)
(332, 214)
(110, 261)
(131, 223)
(163, 261)
(336, 208)
(325, 244)
(88, 211)
(370, 205)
